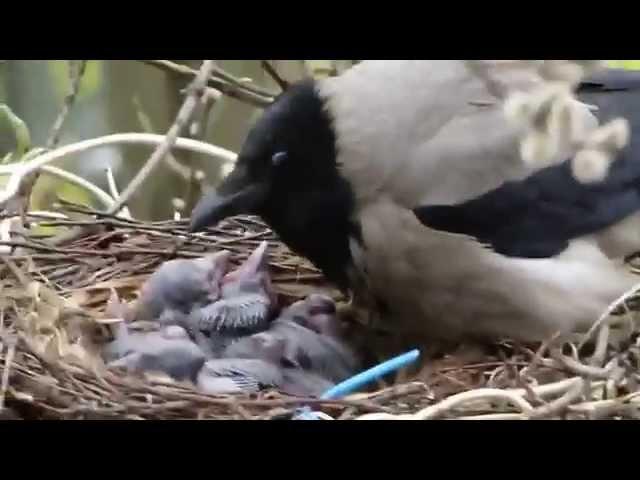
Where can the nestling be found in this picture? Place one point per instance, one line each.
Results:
(181, 285)
(244, 306)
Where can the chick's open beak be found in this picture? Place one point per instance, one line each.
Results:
(256, 264)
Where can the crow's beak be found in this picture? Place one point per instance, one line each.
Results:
(235, 196)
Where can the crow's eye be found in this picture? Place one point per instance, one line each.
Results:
(278, 158)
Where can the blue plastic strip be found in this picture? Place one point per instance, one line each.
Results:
(358, 381)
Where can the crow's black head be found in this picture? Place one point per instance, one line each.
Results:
(286, 173)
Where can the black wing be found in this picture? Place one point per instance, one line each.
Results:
(538, 216)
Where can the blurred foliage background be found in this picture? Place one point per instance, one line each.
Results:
(131, 96)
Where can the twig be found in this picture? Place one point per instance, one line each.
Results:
(100, 194)
(450, 403)
(485, 394)
(18, 171)
(600, 408)
(224, 75)
(601, 346)
(195, 183)
(199, 125)
(170, 139)
(556, 388)
(495, 416)
(561, 403)
(113, 188)
(609, 310)
(273, 73)
(22, 279)
(29, 180)
(5, 233)
(11, 350)
(170, 160)
(236, 90)
(75, 77)
(182, 119)
(579, 368)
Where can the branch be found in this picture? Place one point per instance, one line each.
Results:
(195, 184)
(273, 73)
(11, 350)
(434, 411)
(224, 75)
(113, 189)
(97, 192)
(147, 126)
(236, 90)
(28, 181)
(608, 311)
(18, 171)
(197, 89)
(69, 100)
(560, 404)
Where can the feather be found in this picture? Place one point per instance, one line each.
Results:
(242, 313)
(538, 216)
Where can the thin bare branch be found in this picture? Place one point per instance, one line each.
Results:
(28, 182)
(170, 160)
(181, 121)
(113, 189)
(561, 404)
(242, 83)
(8, 361)
(18, 171)
(76, 72)
(273, 73)
(238, 90)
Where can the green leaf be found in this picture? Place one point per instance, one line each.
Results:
(20, 130)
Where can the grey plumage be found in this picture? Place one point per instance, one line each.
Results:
(298, 337)
(169, 351)
(314, 352)
(181, 285)
(316, 312)
(307, 361)
(304, 383)
(251, 375)
(244, 306)
(238, 375)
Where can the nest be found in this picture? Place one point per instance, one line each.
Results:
(52, 311)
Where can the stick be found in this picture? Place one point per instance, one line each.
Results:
(75, 77)
(113, 189)
(18, 171)
(236, 90)
(273, 73)
(182, 119)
